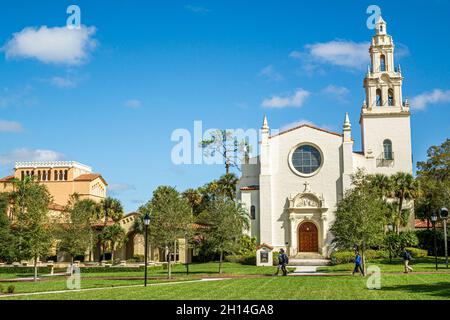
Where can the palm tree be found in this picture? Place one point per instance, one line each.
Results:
(227, 185)
(404, 188)
(382, 183)
(113, 235)
(110, 208)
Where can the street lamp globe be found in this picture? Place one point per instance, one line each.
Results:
(146, 219)
(444, 213)
(434, 217)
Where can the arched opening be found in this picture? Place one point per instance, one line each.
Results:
(61, 177)
(56, 175)
(65, 175)
(382, 63)
(308, 237)
(391, 97)
(387, 150)
(378, 101)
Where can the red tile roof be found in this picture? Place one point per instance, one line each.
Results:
(6, 179)
(264, 245)
(56, 207)
(90, 177)
(309, 126)
(250, 188)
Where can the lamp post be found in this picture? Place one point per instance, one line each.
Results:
(444, 216)
(434, 218)
(146, 223)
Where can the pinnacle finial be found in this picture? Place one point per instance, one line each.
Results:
(347, 124)
(265, 123)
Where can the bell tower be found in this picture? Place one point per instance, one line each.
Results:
(385, 117)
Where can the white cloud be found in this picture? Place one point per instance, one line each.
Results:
(341, 53)
(24, 154)
(339, 92)
(58, 45)
(120, 187)
(17, 97)
(421, 101)
(10, 126)
(295, 100)
(270, 73)
(347, 54)
(133, 103)
(61, 82)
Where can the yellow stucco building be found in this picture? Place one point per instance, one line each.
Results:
(65, 178)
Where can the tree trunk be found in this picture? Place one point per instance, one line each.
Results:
(400, 206)
(363, 256)
(220, 261)
(35, 268)
(112, 254)
(169, 260)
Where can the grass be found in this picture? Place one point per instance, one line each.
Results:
(426, 264)
(396, 285)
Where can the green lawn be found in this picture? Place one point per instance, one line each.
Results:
(420, 265)
(394, 285)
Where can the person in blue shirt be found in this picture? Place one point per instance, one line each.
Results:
(358, 262)
(283, 260)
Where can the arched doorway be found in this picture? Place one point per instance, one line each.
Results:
(308, 237)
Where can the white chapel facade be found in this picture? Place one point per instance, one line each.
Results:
(292, 189)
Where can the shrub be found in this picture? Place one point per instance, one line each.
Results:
(11, 289)
(247, 245)
(275, 255)
(426, 241)
(1, 289)
(249, 259)
(417, 253)
(234, 258)
(346, 256)
(340, 257)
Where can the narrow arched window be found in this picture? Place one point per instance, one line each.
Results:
(391, 97)
(378, 97)
(382, 63)
(39, 175)
(61, 177)
(56, 175)
(253, 212)
(44, 175)
(387, 150)
(22, 175)
(49, 175)
(65, 175)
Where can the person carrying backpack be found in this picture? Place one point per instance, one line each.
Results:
(406, 259)
(358, 267)
(283, 260)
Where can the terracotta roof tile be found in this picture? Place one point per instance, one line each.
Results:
(89, 177)
(250, 188)
(309, 126)
(6, 179)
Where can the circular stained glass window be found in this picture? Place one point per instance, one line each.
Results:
(306, 159)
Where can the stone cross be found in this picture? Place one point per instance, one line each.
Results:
(306, 184)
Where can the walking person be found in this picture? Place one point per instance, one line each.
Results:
(283, 260)
(358, 267)
(406, 259)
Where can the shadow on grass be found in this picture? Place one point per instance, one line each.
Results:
(440, 289)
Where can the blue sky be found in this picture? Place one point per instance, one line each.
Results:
(137, 71)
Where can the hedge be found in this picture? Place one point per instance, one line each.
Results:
(417, 253)
(347, 256)
(249, 259)
(47, 270)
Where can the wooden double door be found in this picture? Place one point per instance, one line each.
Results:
(308, 237)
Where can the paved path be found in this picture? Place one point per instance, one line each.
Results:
(106, 288)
